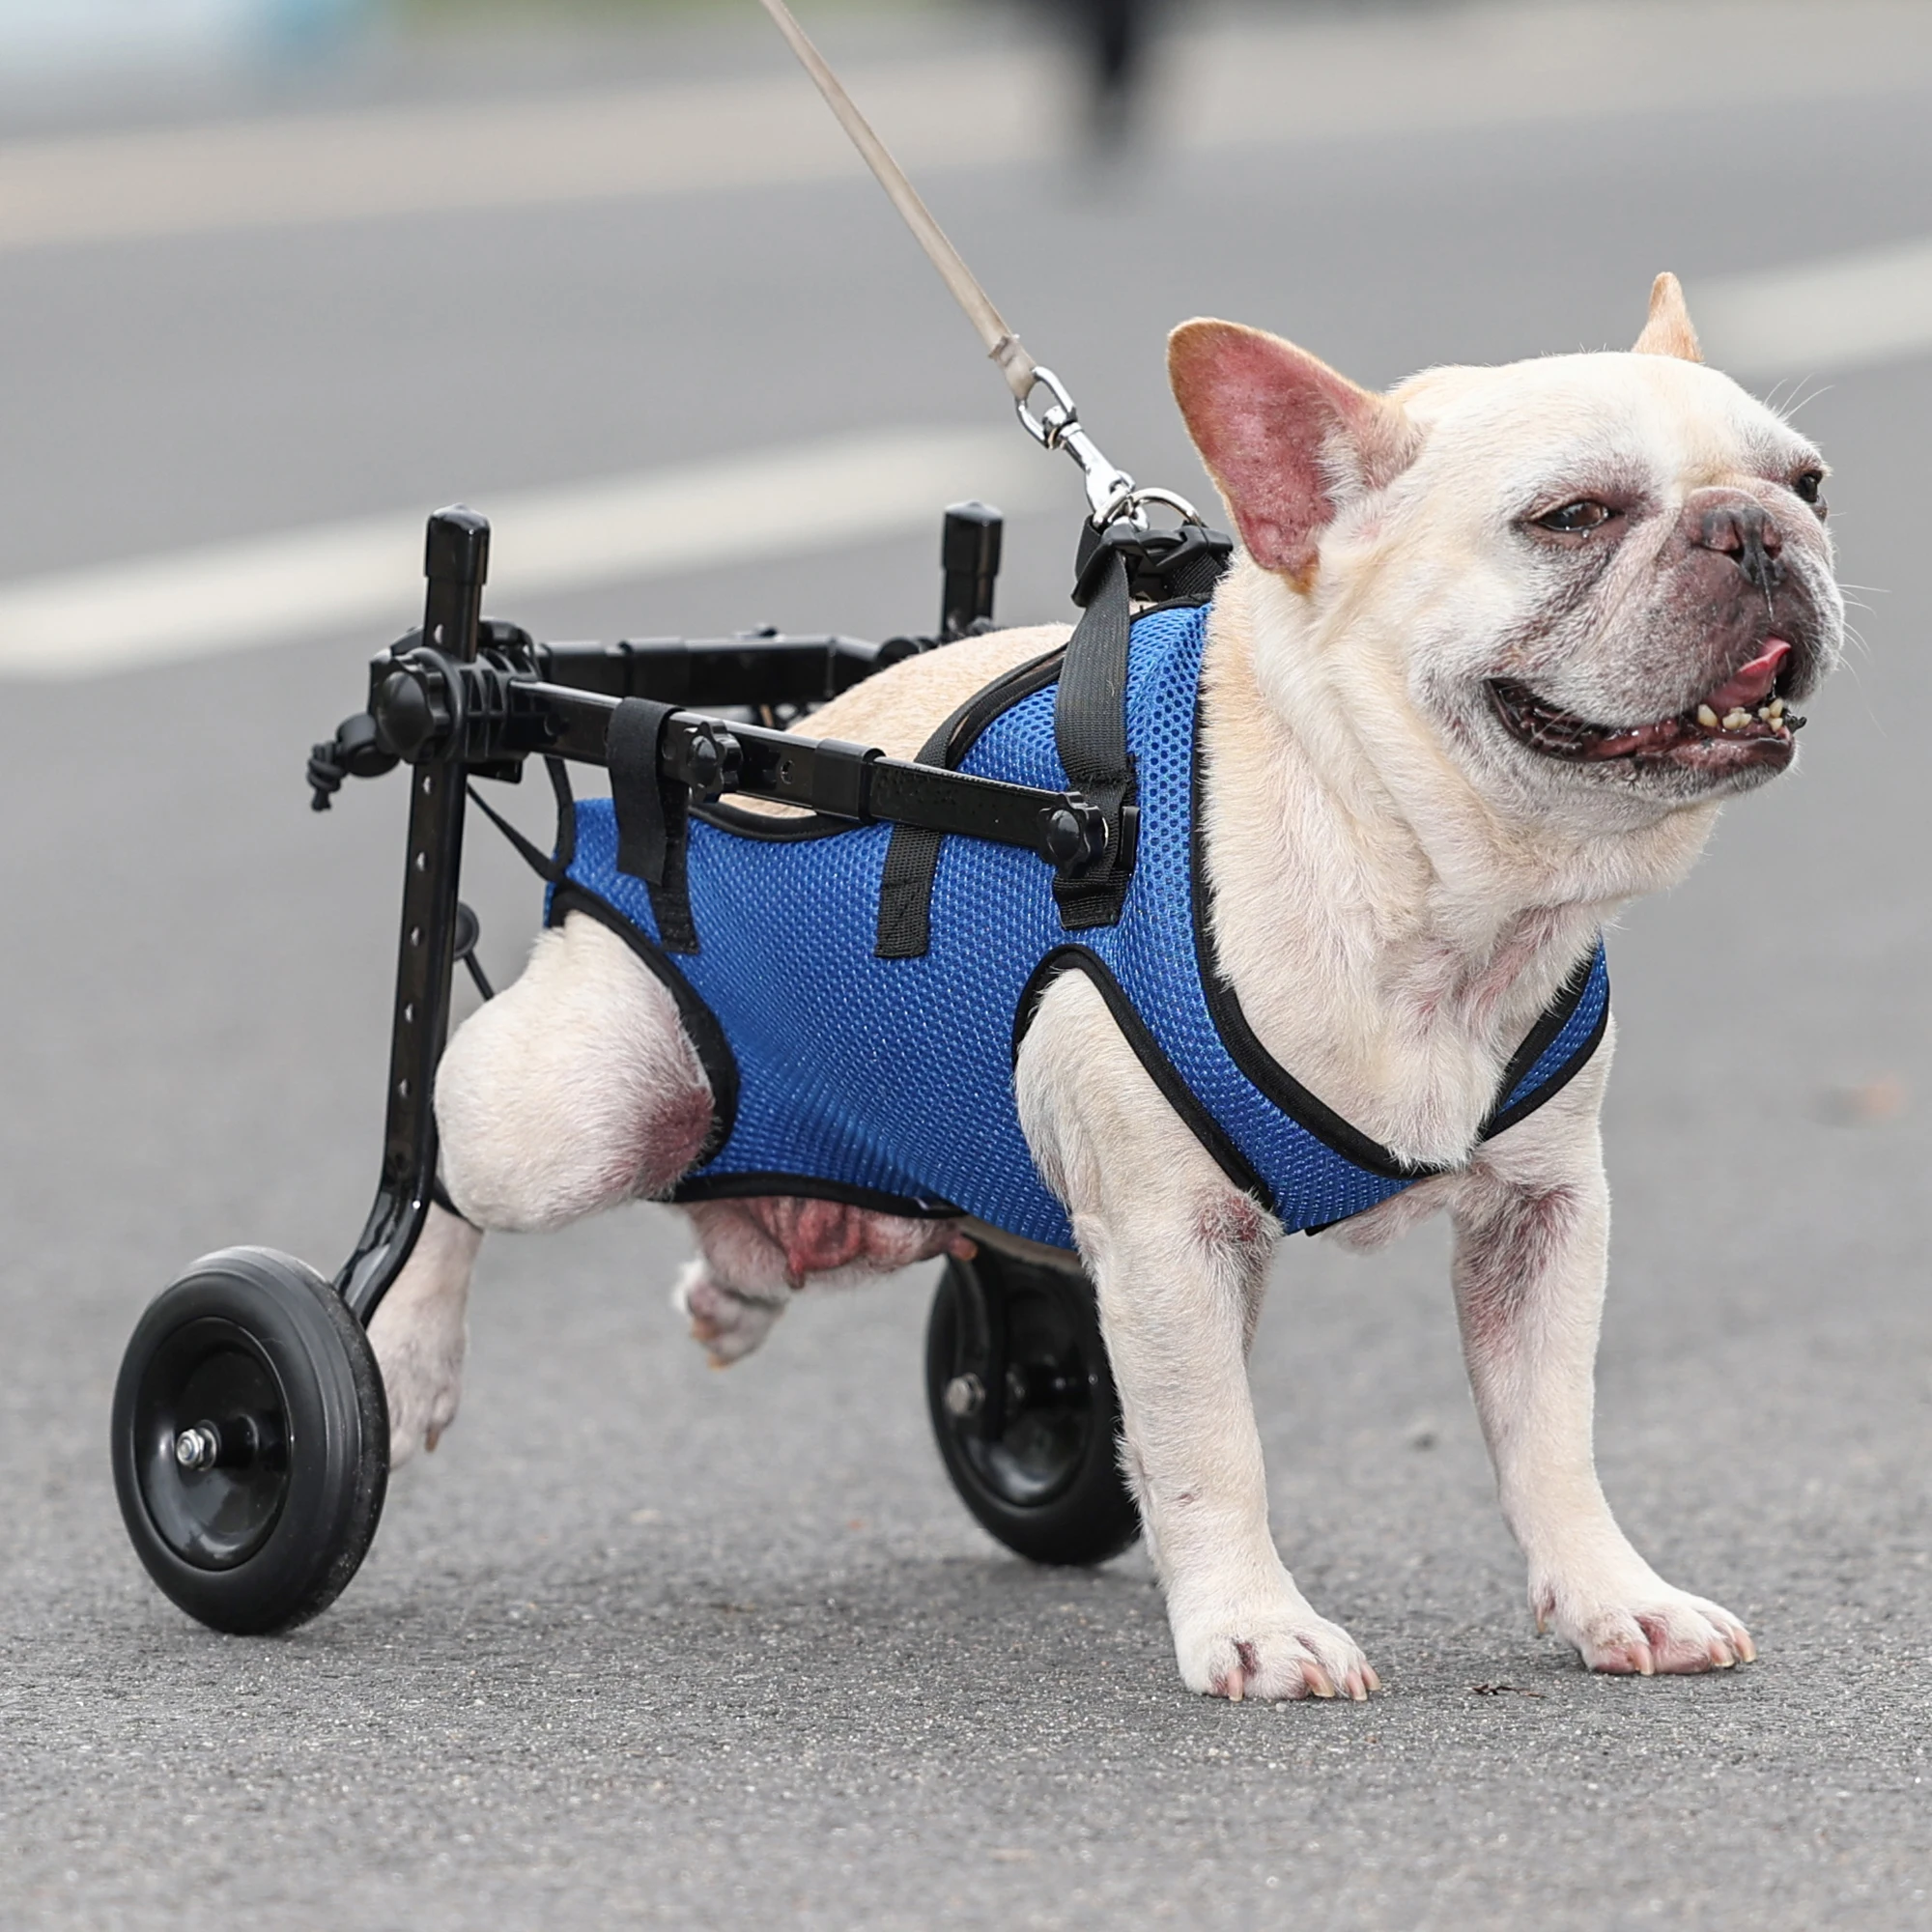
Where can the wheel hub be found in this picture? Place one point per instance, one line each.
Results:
(1020, 1400)
(212, 1437)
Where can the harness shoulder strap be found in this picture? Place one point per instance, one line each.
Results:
(1089, 729)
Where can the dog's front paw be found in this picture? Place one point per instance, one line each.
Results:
(1274, 1650)
(420, 1333)
(1643, 1629)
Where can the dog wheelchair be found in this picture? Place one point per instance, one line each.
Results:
(250, 1433)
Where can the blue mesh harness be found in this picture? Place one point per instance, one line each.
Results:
(887, 1082)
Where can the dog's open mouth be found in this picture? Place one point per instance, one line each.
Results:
(1743, 721)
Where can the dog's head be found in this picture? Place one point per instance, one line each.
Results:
(1599, 584)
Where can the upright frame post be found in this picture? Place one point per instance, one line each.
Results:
(456, 563)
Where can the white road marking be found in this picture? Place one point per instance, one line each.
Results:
(344, 577)
(385, 162)
(1817, 318)
(1242, 82)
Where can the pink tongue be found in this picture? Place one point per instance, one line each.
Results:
(1752, 682)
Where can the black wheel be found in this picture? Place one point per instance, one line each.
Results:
(251, 1442)
(1024, 1408)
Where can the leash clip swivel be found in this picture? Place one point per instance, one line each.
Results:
(1112, 495)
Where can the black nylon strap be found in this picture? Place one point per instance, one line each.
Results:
(1089, 729)
(537, 860)
(545, 865)
(644, 812)
(566, 814)
(653, 817)
(905, 893)
(912, 862)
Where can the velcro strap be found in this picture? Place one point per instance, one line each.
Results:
(646, 806)
(912, 866)
(653, 817)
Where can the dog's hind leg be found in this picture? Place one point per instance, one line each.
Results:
(573, 1090)
(576, 1087)
(1179, 1258)
(1532, 1233)
(736, 1286)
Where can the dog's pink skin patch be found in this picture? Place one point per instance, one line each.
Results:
(671, 1136)
(1512, 1250)
(1230, 1221)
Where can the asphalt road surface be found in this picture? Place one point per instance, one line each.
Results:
(643, 1644)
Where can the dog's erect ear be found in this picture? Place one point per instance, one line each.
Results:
(1668, 331)
(1287, 441)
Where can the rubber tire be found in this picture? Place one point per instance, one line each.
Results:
(1086, 1516)
(294, 1332)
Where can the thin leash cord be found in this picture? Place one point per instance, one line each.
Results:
(1003, 346)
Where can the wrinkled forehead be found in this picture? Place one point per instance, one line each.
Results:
(1640, 420)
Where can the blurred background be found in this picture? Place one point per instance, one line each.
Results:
(645, 1644)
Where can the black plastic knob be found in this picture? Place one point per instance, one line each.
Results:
(1065, 839)
(405, 719)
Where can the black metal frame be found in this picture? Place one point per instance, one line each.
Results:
(466, 698)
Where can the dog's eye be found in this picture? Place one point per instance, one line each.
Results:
(1573, 518)
(1807, 484)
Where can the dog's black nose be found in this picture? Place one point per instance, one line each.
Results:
(1747, 533)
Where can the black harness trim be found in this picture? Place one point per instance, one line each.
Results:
(1554, 1019)
(700, 1023)
(1301, 1106)
(911, 869)
(1162, 1070)
(757, 1186)
(653, 830)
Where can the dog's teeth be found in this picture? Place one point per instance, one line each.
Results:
(1775, 708)
(1737, 719)
(1707, 718)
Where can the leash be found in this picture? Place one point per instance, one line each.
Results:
(1112, 495)
(1120, 558)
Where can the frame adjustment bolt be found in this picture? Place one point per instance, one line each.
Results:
(197, 1448)
(965, 1394)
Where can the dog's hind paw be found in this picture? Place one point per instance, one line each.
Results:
(1648, 1630)
(726, 1324)
(1282, 1652)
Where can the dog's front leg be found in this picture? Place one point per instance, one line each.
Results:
(420, 1334)
(1179, 1258)
(1532, 1231)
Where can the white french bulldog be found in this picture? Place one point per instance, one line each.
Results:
(1495, 648)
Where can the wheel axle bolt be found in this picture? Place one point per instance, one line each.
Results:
(198, 1447)
(965, 1394)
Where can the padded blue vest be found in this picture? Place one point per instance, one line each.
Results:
(889, 1082)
